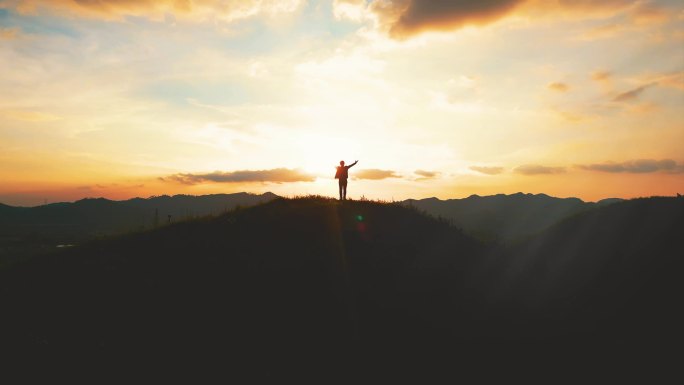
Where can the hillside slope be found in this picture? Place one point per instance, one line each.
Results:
(611, 274)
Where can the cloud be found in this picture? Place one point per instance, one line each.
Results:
(8, 33)
(487, 170)
(29, 116)
(408, 17)
(638, 166)
(375, 174)
(557, 86)
(425, 175)
(349, 9)
(277, 175)
(200, 10)
(647, 13)
(603, 32)
(403, 19)
(533, 169)
(631, 94)
(601, 76)
(674, 80)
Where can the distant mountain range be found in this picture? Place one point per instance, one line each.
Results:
(25, 231)
(313, 281)
(505, 217)
(30, 230)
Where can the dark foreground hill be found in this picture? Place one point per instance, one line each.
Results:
(317, 286)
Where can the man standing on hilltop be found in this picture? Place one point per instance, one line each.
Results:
(342, 174)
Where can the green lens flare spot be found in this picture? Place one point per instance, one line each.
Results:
(359, 218)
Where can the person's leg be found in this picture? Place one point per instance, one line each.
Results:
(344, 190)
(340, 184)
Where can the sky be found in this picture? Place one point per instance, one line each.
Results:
(125, 98)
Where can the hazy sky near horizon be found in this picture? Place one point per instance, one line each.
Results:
(435, 98)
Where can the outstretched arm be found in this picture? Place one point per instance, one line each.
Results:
(352, 165)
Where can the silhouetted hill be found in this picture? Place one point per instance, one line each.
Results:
(611, 274)
(286, 280)
(306, 285)
(25, 231)
(505, 217)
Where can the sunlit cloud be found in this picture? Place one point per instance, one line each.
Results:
(648, 13)
(8, 33)
(278, 175)
(632, 94)
(375, 174)
(28, 116)
(426, 175)
(350, 9)
(200, 10)
(533, 169)
(603, 31)
(638, 166)
(558, 86)
(487, 170)
(601, 76)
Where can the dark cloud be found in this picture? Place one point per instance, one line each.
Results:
(534, 169)
(408, 17)
(631, 94)
(375, 174)
(557, 86)
(487, 170)
(277, 175)
(426, 174)
(638, 166)
(405, 18)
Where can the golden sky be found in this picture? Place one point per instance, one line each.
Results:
(124, 98)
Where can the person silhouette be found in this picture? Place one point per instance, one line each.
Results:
(342, 174)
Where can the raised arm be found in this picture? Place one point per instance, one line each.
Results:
(352, 165)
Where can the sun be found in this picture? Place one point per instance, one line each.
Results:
(319, 155)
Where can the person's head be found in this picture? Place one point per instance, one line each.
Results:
(341, 163)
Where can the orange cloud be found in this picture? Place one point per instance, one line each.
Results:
(8, 33)
(28, 116)
(601, 76)
(638, 166)
(487, 170)
(646, 13)
(534, 169)
(156, 9)
(278, 175)
(557, 86)
(631, 94)
(425, 175)
(375, 174)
